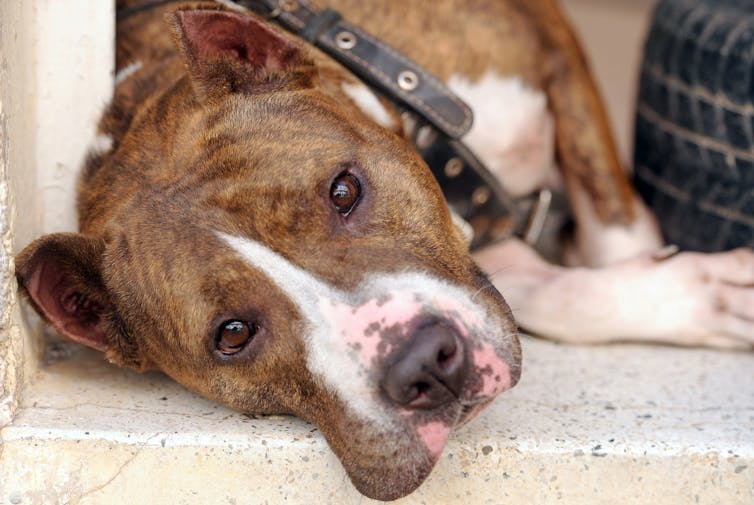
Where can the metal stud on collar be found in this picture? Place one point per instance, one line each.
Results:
(283, 6)
(481, 195)
(345, 40)
(408, 80)
(288, 5)
(453, 167)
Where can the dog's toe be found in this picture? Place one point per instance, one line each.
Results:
(732, 267)
(735, 316)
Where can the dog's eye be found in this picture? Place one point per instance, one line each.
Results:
(233, 335)
(345, 193)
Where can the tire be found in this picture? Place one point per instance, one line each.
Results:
(694, 138)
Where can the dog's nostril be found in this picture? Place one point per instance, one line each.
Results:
(430, 371)
(446, 355)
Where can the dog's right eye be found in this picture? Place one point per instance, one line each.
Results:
(345, 193)
(233, 335)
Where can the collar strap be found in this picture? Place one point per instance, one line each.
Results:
(470, 189)
(389, 71)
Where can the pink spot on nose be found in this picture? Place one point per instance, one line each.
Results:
(360, 325)
(434, 435)
(494, 372)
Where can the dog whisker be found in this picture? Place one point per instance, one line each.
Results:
(499, 271)
(480, 290)
(489, 284)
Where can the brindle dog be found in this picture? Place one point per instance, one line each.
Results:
(262, 231)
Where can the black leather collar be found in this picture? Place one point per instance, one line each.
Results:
(435, 118)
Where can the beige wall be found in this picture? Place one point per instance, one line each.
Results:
(53, 84)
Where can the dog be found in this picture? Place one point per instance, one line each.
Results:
(260, 228)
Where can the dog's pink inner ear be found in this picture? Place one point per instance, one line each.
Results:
(72, 302)
(213, 34)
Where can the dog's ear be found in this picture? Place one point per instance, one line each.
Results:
(61, 275)
(232, 52)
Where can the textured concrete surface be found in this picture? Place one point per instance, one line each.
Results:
(616, 424)
(55, 77)
(16, 183)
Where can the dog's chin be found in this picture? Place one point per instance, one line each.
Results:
(396, 478)
(385, 467)
(390, 483)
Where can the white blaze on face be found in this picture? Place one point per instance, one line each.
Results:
(342, 335)
(513, 131)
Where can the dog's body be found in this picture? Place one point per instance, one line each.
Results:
(259, 229)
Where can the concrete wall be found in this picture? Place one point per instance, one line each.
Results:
(56, 69)
(17, 110)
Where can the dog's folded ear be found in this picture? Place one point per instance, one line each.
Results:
(61, 276)
(232, 52)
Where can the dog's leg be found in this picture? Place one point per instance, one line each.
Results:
(612, 223)
(599, 243)
(684, 299)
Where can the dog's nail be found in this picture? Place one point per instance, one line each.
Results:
(665, 253)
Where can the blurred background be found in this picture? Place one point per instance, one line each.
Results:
(613, 33)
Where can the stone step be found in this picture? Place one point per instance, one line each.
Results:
(617, 424)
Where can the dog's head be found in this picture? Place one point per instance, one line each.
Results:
(268, 248)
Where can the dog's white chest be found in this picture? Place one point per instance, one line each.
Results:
(513, 131)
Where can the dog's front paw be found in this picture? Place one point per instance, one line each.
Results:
(690, 299)
(704, 299)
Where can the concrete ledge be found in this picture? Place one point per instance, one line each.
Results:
(618, 424)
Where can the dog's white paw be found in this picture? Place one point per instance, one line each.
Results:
(685, 299)
(700, 299)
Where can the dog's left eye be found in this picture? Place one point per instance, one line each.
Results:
(345, 193)
(233, 335)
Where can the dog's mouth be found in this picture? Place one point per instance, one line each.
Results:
(391, 463)
(388, 466)
(457, 370)
(470, 410)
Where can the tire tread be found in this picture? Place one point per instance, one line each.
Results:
(694, 143)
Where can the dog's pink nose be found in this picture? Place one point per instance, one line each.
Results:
(430, 371)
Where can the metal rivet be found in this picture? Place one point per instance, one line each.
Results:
(408, 80)
(453, 167)
(288, 5)
(480, 195)
(410, 122)
(345, 40)
(425, 136)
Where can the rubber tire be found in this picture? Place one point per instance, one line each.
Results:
(694, 138)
